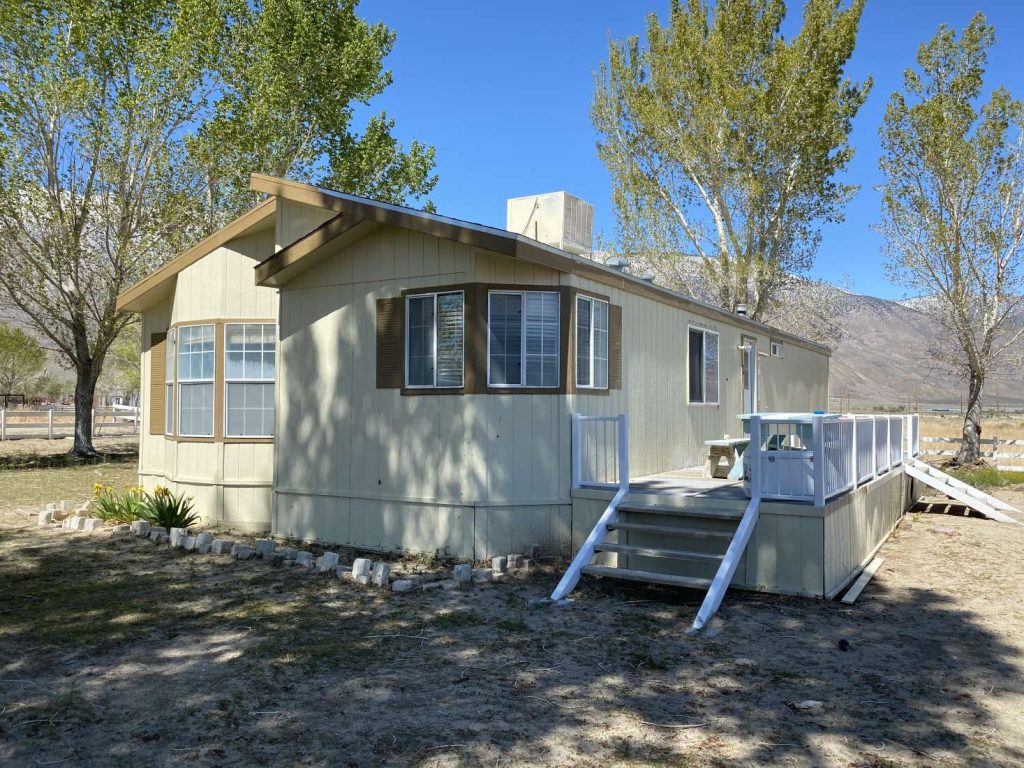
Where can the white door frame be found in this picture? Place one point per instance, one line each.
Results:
(749, 349)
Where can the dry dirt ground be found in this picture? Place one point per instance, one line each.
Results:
(118, 652)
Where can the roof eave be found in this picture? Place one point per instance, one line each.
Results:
(157, 284)
(495, 240)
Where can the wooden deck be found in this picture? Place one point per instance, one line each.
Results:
(688, 482)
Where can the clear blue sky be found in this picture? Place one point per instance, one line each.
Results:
(503, 91)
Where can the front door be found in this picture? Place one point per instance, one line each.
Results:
(748, 364)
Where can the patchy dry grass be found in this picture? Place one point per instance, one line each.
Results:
(951, 425)
(118, 652)
(33, 453)
(32, 488)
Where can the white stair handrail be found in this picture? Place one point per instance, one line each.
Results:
(611, 513)
(738, 545)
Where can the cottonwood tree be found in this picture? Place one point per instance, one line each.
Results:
(724, 140)
(21, 360)
(806, 307)
(293, 73)
(127, 132)
(953, 209)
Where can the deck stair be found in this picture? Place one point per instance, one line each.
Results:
(652, 540)
(979, 501)
(658, 538)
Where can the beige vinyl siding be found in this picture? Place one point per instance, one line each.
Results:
(346, 448)
(295, 220)
(230, 482)
(797, 381)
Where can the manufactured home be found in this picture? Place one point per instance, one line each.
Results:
(333, 368)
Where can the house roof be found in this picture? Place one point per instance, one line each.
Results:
(156, 285)
(356, 216)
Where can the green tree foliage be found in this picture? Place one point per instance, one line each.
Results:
(21, 360)
(724, 140)
(121, 372)
(292, 75)
(127, 131)
(953, 208)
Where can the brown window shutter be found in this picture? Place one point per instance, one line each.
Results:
(157, 388)
(614, 346)
(390, 343)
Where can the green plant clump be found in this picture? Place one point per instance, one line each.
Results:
(986, 477)
(168, 510)
(111, 506)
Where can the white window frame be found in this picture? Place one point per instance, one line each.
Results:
(703, 372)
(170, 386)
(776, 347)
(592, 300)
(234, 380)
(522, 350)
(405, 362)
(212, 381)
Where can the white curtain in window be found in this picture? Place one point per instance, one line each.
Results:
(541, 332)
(450, 339)
(710, 367)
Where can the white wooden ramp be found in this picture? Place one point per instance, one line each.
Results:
(979, 501)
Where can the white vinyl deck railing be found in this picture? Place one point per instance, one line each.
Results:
(816, 457)
(599, 453)
(600, 459)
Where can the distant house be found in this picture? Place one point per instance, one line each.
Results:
(331, 367)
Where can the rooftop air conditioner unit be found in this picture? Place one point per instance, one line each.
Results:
(556, 218)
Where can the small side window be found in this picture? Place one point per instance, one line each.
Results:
(776, 348)
(591, 343)
(702, 366)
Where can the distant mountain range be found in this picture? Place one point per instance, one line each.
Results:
(883, 360)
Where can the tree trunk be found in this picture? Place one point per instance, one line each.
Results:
(85, 392)
(970, 447)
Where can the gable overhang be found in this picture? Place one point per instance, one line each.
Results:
(159, 284)
(357, 216)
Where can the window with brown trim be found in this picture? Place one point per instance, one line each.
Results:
(523, 338)
(591, 343)
(195, 380)
(250, 360)
(435, 340)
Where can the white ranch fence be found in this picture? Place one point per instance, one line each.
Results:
(1006, 455)
(815, 457)
(59, 422)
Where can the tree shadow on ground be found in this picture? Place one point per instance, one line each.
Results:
(120, 652)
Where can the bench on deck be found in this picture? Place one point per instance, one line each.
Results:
(729, 449)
